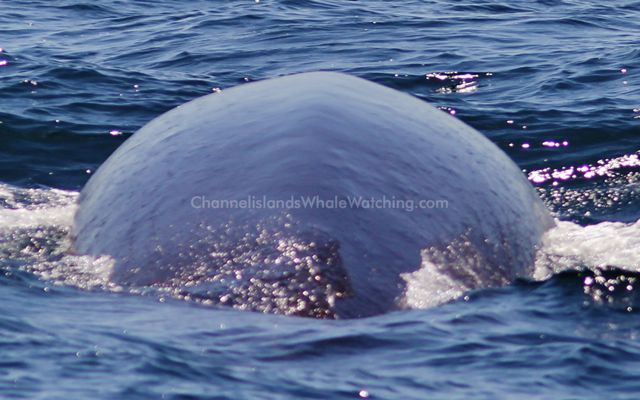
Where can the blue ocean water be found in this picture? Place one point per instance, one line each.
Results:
(555, 84)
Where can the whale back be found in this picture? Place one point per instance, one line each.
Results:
(168, 206)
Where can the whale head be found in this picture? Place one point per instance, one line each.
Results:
(314, 135)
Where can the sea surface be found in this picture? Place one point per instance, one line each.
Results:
(555, 84)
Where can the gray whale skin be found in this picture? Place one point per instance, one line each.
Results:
(181, 204)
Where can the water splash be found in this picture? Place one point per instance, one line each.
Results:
(605, 245)
(609, 246)
(34, 236)
(35, 226)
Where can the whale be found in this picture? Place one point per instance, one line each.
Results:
(313, 194)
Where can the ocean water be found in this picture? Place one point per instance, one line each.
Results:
(555, 84)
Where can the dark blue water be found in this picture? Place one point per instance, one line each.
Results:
(555, 84)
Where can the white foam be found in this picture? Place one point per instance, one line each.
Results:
(85, 272)
(35, 207)
(34, 228)
(428, 287)
(26, 218)
(600, 246)
(564, 247)
(447, 273)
